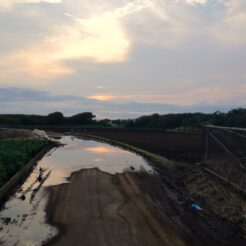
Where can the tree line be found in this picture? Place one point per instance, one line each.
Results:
(55, 119)
(182, 121)
(234, 118)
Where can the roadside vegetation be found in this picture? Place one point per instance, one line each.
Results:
(178, 122)
(15, 154)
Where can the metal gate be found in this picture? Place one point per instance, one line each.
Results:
(224, 154)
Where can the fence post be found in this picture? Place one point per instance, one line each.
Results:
(204, 149)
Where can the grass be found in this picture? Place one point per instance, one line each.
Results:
(15, 154)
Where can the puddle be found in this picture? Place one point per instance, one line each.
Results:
(22, 221)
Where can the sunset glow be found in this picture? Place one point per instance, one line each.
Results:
(105, 150)
(102, 97)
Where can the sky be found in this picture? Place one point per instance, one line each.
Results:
(122, 58)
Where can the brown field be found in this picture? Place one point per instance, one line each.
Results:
(173, 145)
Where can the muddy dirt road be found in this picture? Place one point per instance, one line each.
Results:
(97, 208)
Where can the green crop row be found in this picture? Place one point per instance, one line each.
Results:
(15, 154)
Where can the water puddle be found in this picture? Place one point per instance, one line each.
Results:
(22, 221)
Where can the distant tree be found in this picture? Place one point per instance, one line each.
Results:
(83, 118)
(105, 122)
(236, 117)
(218, 118)
(55, 118)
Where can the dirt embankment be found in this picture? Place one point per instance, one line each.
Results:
(219, 198)
(98, 208)
(173, 192)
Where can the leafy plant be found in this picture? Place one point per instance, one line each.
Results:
(15, 154)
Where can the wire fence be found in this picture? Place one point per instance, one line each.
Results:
(224, 154)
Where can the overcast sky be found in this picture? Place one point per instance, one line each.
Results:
(122, 58)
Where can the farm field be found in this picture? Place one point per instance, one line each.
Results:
(173, 145)
(15, 154)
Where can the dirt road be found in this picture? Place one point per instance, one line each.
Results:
(98, 208)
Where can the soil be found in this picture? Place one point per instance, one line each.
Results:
(218, 197)
(173, 145)
(98, 208)
(174, 191)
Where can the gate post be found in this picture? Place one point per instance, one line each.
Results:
(204, 145)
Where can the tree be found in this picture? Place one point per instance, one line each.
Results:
(55, 118)
(83, 118)
(25, 120)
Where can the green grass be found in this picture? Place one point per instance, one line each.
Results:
(15, 154)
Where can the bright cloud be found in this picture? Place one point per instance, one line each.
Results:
(10, 3)
(193, 2)
(35, 69)
(101, 38)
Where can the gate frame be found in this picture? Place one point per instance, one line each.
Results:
(206, 133)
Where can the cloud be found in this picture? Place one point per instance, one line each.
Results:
(221, 21)
(193, 2)
(17, 94)
(161, 51)
(34, 67)
(41, 102)
(191, 96)
(165, 23)
(230, 27)
(99, 86)
(98, 39)
(10, 3)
